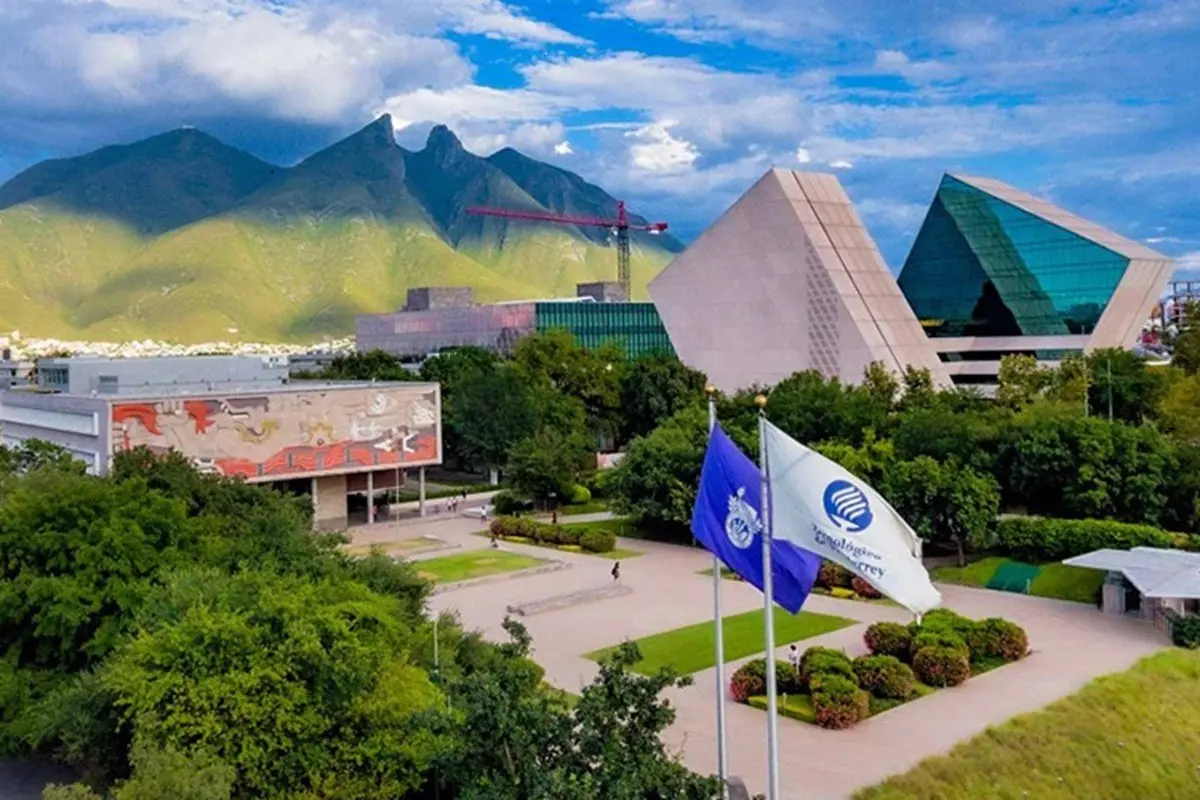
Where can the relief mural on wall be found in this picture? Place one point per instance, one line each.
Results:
(287, 434)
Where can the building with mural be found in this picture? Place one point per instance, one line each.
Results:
(331, 440)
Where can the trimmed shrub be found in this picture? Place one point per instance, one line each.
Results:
(998, 638)
(945, 620)
(569, 536)
(598, 541)
(941, 666)
(1041, 539)
(864, 589)
(579, 495)
(1185, 631)
(751, 679)
(826, 661)
(888, 639)
(833, 576)
(885, 676)
(935, 638)
(839, 703)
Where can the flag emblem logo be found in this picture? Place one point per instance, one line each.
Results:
(741, 523)
(847, 507)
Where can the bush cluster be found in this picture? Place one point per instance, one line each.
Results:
(750, 680)
(507, 503)
(888, 639)
(839, 703)
(885, 676)
(864, 589)
(943, 646)
(1185, 631)
(824, 661)
(594, 540)
(579, 495)
(997, 638)
(1041, 539)
(941, 666)
(833, 576)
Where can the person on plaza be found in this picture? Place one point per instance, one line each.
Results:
(616, 571)
(794, 656)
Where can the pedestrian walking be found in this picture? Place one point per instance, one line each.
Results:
(794, 656)
(616, 571)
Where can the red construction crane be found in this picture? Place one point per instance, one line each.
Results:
(621, 226)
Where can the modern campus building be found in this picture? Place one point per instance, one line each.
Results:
(788, 279)
(340, 442)
(441, 318)
(995, 271)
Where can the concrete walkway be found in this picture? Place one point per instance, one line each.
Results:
(1072, 643)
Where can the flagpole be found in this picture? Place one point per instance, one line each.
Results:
(719, 625)
(768, 607)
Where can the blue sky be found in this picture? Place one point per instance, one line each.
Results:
(674, 105)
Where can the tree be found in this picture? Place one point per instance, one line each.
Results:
(546, 465)
(518, 744)
(1124, 379)
(918, 387)
(653, 388)
(376, 365)
(554, 360)
(1022, 380)
(811, 409)
(1069, 383)
(1179, 411)
(944, 502)
(881, 385)
(942, 434)
(451, 369)
(656, 481)
(492, 411)
(1185, 351)
(303, 686)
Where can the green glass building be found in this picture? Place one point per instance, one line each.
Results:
(981, 266)
(636, 326)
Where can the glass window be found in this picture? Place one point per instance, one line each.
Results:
(983, 267)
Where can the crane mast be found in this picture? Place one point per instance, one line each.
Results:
(620, 226)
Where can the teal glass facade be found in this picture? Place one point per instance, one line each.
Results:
(983, 267)
(636, 326)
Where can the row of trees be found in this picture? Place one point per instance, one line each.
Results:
(171, 634)
(950, 461)
(540, 415)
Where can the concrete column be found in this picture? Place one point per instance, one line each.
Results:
(370, 498)
(421, 491)
(329, 500)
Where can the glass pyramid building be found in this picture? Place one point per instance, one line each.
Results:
(994, 270)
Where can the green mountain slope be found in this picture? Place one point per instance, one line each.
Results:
(181, 237)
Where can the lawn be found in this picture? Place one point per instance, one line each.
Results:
(397, 547)
(590, 507)
(1121, 736)
(690, 649)
(474, 564)
(1055, 580)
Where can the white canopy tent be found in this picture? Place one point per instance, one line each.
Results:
(1153, 571)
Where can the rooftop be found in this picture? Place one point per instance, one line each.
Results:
(1156, 572)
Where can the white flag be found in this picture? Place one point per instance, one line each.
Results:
(822, 508)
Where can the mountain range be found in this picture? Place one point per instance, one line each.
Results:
(182, 237)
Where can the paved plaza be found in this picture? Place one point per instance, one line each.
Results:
(1072, 644)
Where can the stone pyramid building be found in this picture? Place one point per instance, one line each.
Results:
(789, 279)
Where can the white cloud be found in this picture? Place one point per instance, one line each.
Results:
(658, 151)
(841, 163)
(896, 62)
(563, 148)
(803, 156)
(468, 102)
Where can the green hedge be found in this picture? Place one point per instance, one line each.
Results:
(1042, 539)
(1185, 631)
(595, 540)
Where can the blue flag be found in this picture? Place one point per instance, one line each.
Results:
(728, 521)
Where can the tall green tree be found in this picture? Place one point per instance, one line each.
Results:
(546, 466)
(945, 502)
(1123, 381)
(555, 361)
(652, 388)
(491, 412)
